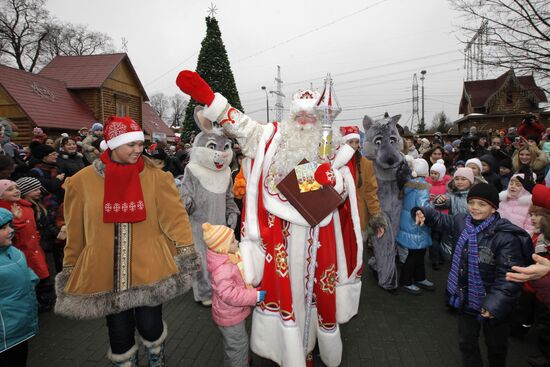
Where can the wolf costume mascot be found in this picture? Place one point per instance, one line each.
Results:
(383, 145)
(277, 240)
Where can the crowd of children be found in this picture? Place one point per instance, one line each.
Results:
(468, 202)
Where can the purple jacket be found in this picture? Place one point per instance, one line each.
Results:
(231, 300)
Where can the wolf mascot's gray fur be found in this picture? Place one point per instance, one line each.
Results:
(383, 145)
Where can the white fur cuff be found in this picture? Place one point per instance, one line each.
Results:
(343, 155)
(253, 262)
(216, 108)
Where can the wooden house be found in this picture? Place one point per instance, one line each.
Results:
(499, 103)
(72, 92)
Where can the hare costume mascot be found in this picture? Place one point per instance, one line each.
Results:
(277, 240)
(207, 193)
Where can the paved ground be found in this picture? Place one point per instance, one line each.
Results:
(401, 330)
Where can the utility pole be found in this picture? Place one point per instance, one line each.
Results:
(415, 120)
(266, 101)
(279, 108)
(422, 125)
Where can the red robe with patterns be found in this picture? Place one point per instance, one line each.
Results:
(276, 251)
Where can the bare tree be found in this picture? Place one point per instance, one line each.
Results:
(160, 103)
(68, 39)
(23, 29)
(178, 104)
(518, 34)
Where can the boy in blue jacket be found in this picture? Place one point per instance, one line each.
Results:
(18, 305)
(487, 247)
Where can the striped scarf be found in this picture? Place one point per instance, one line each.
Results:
(476, 291)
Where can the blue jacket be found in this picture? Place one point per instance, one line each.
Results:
(500, 246)
(18, 306)
(411, 236)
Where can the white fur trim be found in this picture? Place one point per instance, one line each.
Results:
(525, 199)
(330, 346)
(216, 108)
(343, 155)
(339, 185)
(124, 357)
(350, 187)
(155, 345)
(253, 258)
(347, 300)
(213, 181)
(125, 139)
(351, 136)
(272, 339)
(103, 145)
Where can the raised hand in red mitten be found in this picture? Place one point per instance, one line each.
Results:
(190, 82)
(325, 175)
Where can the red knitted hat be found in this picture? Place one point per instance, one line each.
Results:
(119, 131)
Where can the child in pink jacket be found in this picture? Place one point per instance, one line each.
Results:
(231, 297)
(514, 204)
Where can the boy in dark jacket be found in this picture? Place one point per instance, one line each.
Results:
(487, 247)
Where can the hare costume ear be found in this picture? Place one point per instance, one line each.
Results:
(395, 119)
(367, 122)
(204, 124)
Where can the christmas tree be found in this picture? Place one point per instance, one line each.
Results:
(213, 66)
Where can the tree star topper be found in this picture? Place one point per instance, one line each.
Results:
(212, 10)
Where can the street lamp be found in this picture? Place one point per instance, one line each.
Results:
(422, 73)
(266, 101)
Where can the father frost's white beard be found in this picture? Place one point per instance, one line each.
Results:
(296, 144)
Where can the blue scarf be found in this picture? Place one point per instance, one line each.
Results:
(476, 290)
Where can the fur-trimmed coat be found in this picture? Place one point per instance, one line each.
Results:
(150, 263)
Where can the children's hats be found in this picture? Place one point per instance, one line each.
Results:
(507, 163)
(5, 216)
(465, 172)
(218, 238)
(4, 184)
(475, 161)
(28, 184)
(440, 168)
(420, 168)
(485, 192)
(96, 126)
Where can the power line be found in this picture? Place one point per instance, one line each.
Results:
(311, 31)
(169, 71)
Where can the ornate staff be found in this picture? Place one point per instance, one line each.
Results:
(327, 108)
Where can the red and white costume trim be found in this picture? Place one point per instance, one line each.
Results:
(275, 252)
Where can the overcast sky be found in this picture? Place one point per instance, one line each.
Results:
(372, 48)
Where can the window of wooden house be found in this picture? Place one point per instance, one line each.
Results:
(122, 107)
(509, 98)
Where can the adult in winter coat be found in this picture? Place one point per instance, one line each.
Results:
(44, 168)
(128, 253)
(533, 157)
(530, 126)
(514, 204)
(69, 161)
(18, 310)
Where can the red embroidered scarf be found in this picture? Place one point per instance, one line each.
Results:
(122, 194)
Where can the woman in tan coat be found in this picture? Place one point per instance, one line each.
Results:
(129, 245)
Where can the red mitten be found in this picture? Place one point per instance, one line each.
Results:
(325, 175)
(190, 82)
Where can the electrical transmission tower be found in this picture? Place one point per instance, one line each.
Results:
(279, 93)
(474, 54)
(415, 119)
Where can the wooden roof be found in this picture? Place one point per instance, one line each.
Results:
(47, 102)
(153, 123)
(90, 71)
(479, 92)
